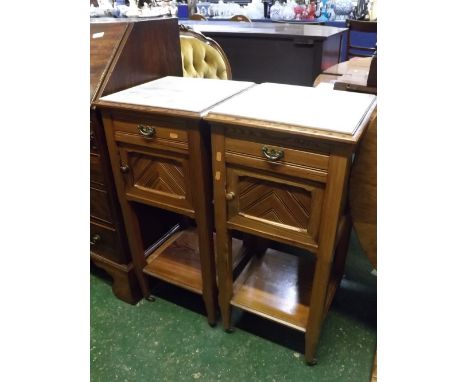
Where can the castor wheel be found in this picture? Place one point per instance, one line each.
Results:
(313, 362)
(150, 298)
(229, 330)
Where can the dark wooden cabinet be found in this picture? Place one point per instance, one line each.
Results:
(123, 53)
(288, 53)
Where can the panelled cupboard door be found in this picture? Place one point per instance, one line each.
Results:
(157, 177)
(284, 207)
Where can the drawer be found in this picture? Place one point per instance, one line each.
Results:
(151, 132)
(104, 242)
(99, 205)
(93, 141)
(277, 158)
(96, 175)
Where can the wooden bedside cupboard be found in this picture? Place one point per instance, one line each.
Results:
(280, 173)
(159, 148)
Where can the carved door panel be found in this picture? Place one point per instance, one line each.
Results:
(257, 199)
(158, 176)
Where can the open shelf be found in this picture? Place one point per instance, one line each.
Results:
(277, 286)
(177, 261)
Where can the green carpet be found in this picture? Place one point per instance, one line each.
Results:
(170, 339)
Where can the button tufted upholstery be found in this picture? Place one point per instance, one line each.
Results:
(202, 57)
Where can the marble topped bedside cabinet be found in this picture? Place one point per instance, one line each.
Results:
(159, 148)
(281, 156)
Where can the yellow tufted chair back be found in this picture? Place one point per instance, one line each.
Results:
(202, 57)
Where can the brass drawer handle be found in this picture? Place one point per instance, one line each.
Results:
(96, 238)
(124, 168)
(272, 154)
(230, 195)
(146, 131)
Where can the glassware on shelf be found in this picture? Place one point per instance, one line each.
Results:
(343, 8)
(275, 11)
(288, 11)
(254, 10)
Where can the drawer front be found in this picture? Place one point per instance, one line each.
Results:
(279, 206)
(155, 132)
(277, 158)
(161, 178)
(93, 140)
(96, 174)
(104, 241)
(99, 206)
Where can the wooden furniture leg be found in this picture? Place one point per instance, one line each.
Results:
(334, 200)
(136, 247)
(342, 249)
(319, 293)
(223, 236)
(204, 219)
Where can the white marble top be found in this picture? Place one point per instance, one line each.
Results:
(317, 108)
(179, 93)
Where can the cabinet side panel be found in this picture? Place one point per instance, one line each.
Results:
(331, 51)
(151, 51)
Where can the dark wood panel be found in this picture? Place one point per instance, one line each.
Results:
(106, 244)
(105, 39)
(331, 51)
(96, 171)
(152, 51)
(100, 207)
(259, 59)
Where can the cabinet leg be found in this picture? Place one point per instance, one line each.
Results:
(208, 268)
(224, 269)
(342, 249)
(125, 284)
(319, 292)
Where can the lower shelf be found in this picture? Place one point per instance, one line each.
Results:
(178, 261)
(277, 286)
